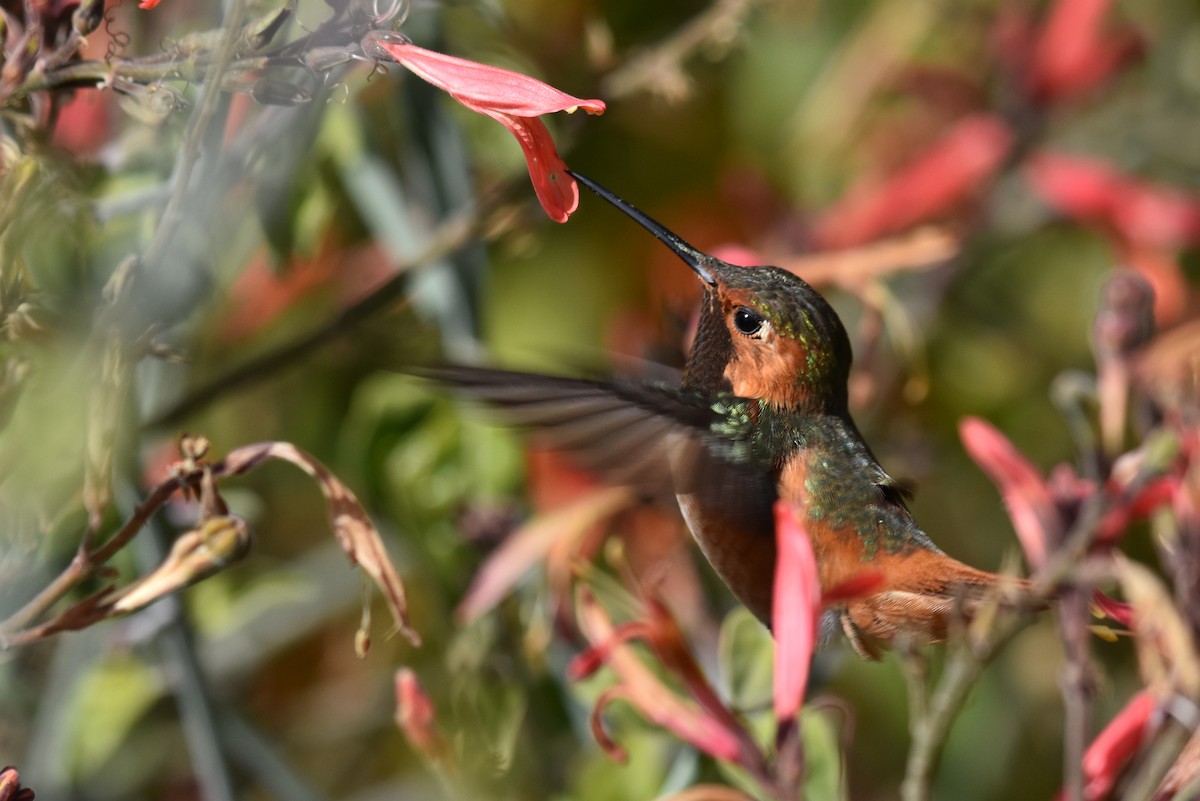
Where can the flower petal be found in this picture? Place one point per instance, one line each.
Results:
(555, 187)
(478, 85)
(1074, 52)
(797, 603)
(416, 716)
(1111, 607)
(530, 545)
(657, 702)
(1030, 504)
(1138, 212)
(932, 184)
(1115, 745)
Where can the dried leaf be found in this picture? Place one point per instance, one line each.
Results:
(196, 554)
(1184, 775)
(353, 528)
(1166, 651)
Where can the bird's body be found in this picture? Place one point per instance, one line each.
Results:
(761, 415)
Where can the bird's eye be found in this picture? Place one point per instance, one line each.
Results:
(747, 321)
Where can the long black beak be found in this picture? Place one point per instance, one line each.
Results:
(699, 261)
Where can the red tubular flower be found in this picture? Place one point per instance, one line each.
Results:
(1138, 212)
(1159, 492)
(1029, 500)
(932, 184)
(693, 721)
(1148, 222)
(797, 605)
(1112, 749)
(513, 99)
(1074, 54)
(416, 717)
(1112, 608)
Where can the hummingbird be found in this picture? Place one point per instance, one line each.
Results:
(761, 414)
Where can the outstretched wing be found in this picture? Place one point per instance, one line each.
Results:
(657, 440)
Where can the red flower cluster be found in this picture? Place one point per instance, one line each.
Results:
(1075, 49)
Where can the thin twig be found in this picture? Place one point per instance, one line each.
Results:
(455, 233)
(85, 563)
(660, 68)
(1078, 688)
(963, 668)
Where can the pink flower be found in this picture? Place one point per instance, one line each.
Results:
(1111, 607)
(514, 100)
(1030, 502)
(1074, 52)
(416, 716)
(797, 606)
(702, 721)
(934, 183)
(1138, 212)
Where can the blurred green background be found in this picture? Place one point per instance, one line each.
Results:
(768, 116)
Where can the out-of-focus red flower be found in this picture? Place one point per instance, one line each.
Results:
(796, 608)
(1138, 212)
(534, 543)
(1030, 503)
(416, 716)
(1074, 53)
(148, 4)
(1156, 493)
(85, 122)
(1111, 607)
(933, 183)
(714, 732)
(1112, 749)
(1148, 222)
(514, 100)
(261, 293)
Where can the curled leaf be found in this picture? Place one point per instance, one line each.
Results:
(195, 554)
(353, 528)
(1167, 655)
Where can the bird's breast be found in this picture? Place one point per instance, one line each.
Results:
(743, 558)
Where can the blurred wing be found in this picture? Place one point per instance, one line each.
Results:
(657, 440)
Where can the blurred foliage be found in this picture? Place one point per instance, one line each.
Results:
(359, 222)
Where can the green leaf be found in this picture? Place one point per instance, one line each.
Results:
(110, 702)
